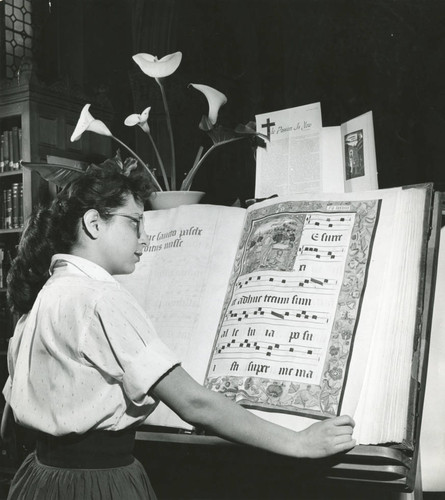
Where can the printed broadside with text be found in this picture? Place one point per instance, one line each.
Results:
(286, 333)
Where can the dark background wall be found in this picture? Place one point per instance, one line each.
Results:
(353, 56)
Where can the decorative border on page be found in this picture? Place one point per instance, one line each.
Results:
(287, 396)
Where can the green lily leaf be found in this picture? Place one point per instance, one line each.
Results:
(219, 134)
(205, 124)
(60, 175)
(249, 130)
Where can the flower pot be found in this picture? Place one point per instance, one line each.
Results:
(170, 199)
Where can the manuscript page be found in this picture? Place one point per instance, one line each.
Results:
(358, 146)
(181, 281)
(348, 159)
(291, 161)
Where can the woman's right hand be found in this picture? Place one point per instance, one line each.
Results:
(326, 437)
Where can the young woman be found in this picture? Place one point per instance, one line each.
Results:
(85, 364)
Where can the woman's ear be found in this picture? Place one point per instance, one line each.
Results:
(90, 223)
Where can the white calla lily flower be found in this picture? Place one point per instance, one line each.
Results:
(132, 120)
(88, 123)
(140, 120)
(215, 98)
(158, 68)
(220, 135)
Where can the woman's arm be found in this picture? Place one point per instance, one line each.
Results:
(200, 406)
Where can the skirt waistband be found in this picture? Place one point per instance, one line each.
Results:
(92, 450)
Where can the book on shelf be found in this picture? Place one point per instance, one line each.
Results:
(16, 157)
(2, 210)
(7, 209)
(5, 150)
(12, 207)
(2, 258)
(301, 155)
(298, 308)
(15, 205)
(20, 135)
(10, 149)
(21, 217)
(2, 153)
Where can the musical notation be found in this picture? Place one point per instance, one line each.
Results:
(281, 351)
(322, 254)
(286, 282)
(327, 222)
(261, 313)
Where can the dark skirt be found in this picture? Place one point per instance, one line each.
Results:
(50, 473)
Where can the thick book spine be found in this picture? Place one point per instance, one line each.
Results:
(15, 205)
(8, 208)
(10, 154)
(2, 256)
(2, 153)
(6, 150)
(20, 147)
(15, 148)
(21, 216)
(2, 210)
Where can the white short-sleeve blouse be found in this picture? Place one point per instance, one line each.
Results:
(85, 356)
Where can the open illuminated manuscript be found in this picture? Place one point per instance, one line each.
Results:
(297, 308)
(287, 332)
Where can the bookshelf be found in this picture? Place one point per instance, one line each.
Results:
(41, 120)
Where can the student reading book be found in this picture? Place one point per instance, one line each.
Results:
(298, 309)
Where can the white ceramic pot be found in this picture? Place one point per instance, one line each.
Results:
(171, 199)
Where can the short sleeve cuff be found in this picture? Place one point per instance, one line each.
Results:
(148, 367)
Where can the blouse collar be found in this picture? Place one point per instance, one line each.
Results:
(84, 266)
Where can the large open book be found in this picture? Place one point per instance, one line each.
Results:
(297, 309)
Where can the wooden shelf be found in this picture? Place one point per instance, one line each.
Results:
(11, 173)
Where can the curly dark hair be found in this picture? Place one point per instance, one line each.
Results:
(54, 228)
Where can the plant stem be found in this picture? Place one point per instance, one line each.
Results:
(161, 164)
(153, 178)
(170, 131)
(198, 155)
(187, 182)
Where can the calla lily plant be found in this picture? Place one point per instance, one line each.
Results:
(159, 69)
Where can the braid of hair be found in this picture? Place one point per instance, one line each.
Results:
(29, 269)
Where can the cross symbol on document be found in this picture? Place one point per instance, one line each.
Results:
(268, 125)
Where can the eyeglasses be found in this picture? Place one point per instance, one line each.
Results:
(137, 221)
